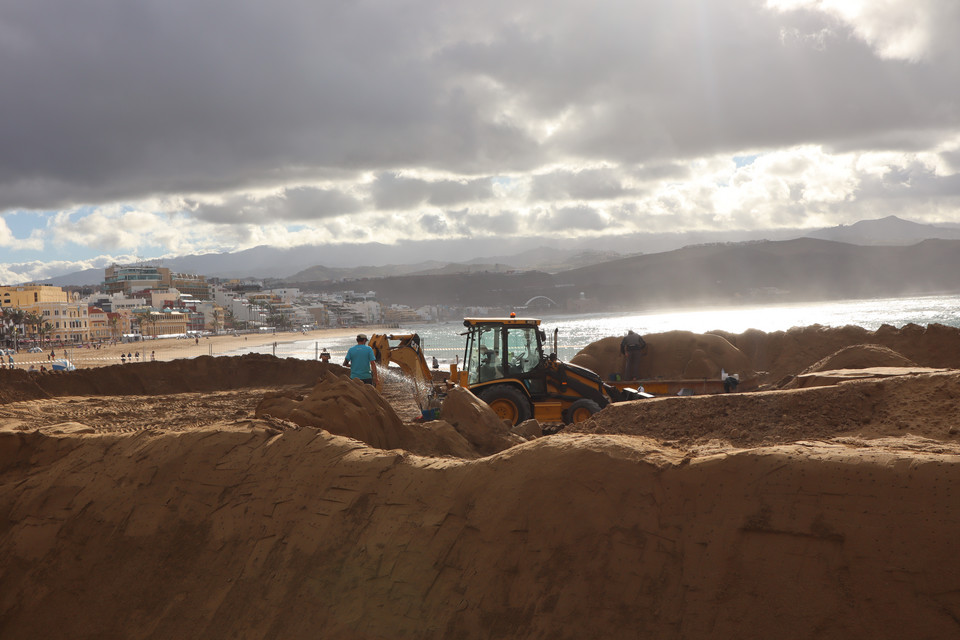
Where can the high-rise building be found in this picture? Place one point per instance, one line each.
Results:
(129, 279)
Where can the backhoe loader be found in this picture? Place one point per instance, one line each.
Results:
(505, 366)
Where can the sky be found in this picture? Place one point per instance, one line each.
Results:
(159, 128)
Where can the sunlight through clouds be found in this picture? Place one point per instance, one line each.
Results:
(896, 29)
(416, 123)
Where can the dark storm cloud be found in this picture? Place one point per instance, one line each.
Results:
(589, 184)
(396, 192)
(577, 218)
(915, 182)
(467, 223)
(113, 99)
(299, 204)
(434, 224)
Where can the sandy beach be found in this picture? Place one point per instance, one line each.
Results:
(166, 349)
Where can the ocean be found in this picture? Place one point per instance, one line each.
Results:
(445, 342)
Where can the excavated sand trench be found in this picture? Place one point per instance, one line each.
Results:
(171, 510)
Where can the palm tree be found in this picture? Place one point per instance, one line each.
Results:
(114, 320)
(16, 317)
(143, 317)
(44, 329)
(34, 320)
(4, 326)
(217, 322)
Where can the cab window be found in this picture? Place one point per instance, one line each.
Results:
(522, 352)
(485, 355)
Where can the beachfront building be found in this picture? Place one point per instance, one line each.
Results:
(127, 279)
(163, 323)
(214, 316)
(192, 285)
(120, 323)
(245, 314)
(24, 296)
(162, 297)
(63, 322)
(401, 313)
(62, 319)
(130, 279)
(99, 325)
(284, 296)
(335, 313)
(112, 303)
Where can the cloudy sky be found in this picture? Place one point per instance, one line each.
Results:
(169, 127)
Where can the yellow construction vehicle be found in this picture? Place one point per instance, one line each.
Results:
(505, 366)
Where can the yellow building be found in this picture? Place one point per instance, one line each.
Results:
(22, 297)
(63, 322)
(99, 325)
(163, 323)
(119, 323)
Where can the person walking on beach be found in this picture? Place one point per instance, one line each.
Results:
(632, 347)
(362, 361)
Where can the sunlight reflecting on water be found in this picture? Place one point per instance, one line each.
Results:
(444, 340)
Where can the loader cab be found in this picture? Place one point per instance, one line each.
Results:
(502, 348)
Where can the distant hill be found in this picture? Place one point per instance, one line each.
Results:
(803, 269)
(320, 272)
(885, 231)
(77, 278)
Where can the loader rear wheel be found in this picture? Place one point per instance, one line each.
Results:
(509, 403)
(580, 410)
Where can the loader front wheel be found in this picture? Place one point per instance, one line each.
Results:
(580, 410)
(509, 403)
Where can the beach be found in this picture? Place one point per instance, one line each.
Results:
(166, 349)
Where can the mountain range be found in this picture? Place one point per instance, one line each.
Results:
(758, 272)
(371, 261)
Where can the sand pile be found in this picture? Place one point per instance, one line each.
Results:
(787, 353)
(341, 406)
(773, 358)
(468, 428)
(853, 363)
(861, 356)
(670, 355)
(205, 373)
(486, 432)
(923, 405)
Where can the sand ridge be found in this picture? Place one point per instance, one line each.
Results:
(221, 532)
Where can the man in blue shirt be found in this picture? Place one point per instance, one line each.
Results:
(362, 361)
